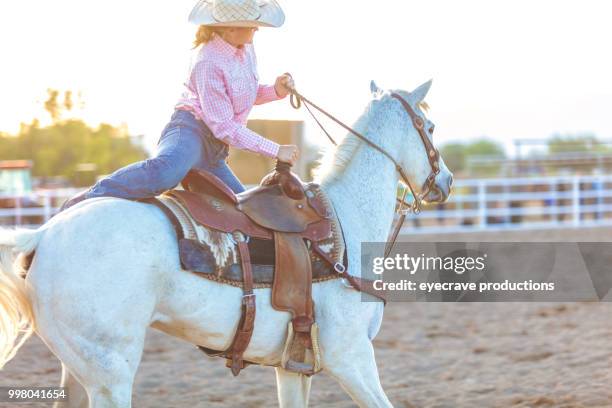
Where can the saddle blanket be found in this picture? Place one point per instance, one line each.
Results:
(213, 254)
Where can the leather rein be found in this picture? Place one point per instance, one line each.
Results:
(433, 156)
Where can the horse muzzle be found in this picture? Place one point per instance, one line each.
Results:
(441, 189)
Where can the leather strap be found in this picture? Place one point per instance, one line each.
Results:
(398, 225)
(301, 99)
(419, 124)
(359, 284)
(244, 332)
(433, 155)
(365, 286)
(394, 234)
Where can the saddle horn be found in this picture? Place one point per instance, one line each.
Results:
(289, 182)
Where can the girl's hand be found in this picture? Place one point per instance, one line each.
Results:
(283, 85)
(288, 154)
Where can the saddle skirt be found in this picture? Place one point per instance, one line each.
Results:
(213, 253)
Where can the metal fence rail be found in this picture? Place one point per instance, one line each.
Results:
(519, 203)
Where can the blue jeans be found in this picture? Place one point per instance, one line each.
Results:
(186, 143)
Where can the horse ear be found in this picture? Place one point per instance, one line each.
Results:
(374, 88)
(419, 94)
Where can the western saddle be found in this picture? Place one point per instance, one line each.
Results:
(293, 219)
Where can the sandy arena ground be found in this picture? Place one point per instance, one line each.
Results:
(429, 355)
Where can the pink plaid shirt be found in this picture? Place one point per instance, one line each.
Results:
(221, 91)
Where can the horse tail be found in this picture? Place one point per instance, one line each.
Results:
(16, 315)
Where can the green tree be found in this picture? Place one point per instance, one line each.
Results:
(457, 155)
(577, 143)
(52, 106)
(64, 147)
(485, 147)
(68, 103)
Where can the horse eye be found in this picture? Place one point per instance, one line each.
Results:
(431, 129)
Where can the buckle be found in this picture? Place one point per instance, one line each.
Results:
(338, 267)
(245, 298)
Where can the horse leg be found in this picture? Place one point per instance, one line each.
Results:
(100, 354)
(353, 365)
(103, 370)
(77, 395)
(293, 389)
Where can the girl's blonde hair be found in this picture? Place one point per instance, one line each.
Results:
(205, 34)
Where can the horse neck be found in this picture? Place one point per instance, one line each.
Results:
(363, 193)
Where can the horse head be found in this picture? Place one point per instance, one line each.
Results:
(413, 150)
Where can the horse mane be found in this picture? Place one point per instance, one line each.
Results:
(335, 159)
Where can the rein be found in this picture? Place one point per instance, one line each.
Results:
(297, 100)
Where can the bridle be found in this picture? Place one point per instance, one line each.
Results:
(433, 156)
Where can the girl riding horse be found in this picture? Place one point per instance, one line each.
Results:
(211, 114)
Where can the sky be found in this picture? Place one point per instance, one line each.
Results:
(502, 70)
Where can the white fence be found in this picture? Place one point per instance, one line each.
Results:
(519, 203)
(475, 205)
(33, 209)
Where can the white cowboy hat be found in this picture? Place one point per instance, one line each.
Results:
(237, 13)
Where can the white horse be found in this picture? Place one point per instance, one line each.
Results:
(106, 269)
